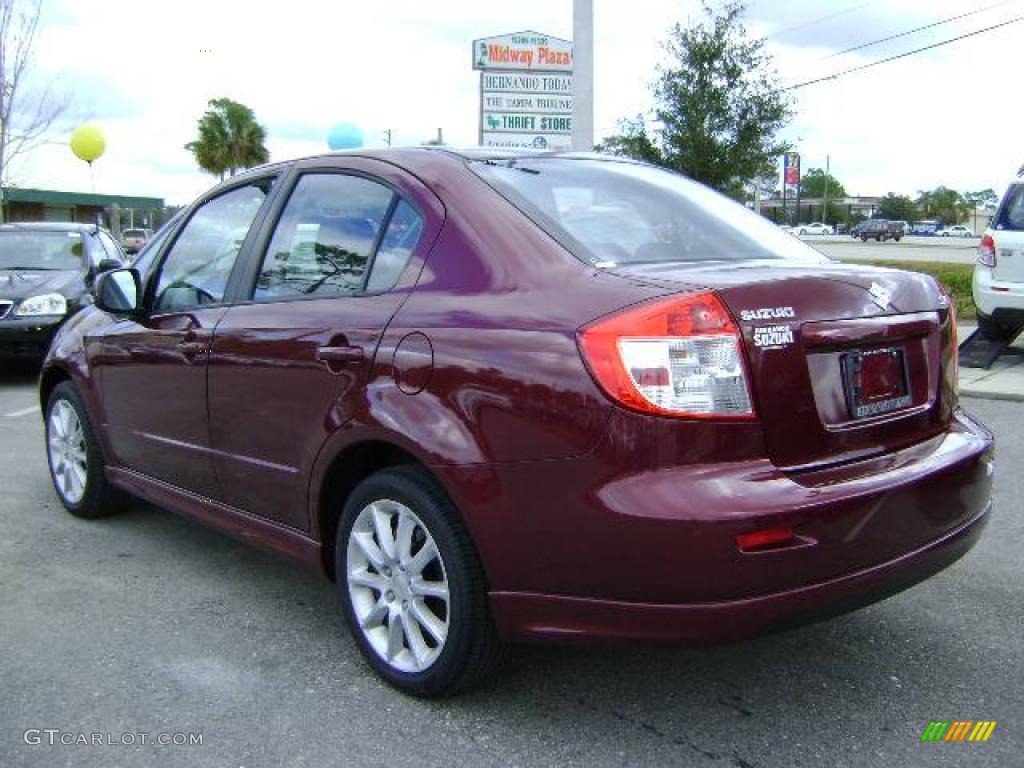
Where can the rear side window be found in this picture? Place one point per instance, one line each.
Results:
(1011, 212)
(611, 212)
(400, 239)
(325, 237)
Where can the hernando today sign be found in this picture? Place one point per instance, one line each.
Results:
(525, 91)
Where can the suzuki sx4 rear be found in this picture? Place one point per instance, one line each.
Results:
(507, 398)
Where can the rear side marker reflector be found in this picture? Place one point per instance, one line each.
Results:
(771, 540)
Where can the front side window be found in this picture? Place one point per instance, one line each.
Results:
(112, 249)
(612, 212)
(144, 259)
(199, 263)
(324, 240)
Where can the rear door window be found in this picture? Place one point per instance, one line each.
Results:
(325, 239)
(1011, 212)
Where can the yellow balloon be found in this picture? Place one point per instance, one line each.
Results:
(87, 142)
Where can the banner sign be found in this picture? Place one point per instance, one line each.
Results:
(791, 169)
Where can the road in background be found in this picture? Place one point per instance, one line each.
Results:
(148, 622)
(954, 250)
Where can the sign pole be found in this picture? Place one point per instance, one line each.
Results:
(583, 75)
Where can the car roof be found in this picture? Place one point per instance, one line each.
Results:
(408, 157)
(47, 226)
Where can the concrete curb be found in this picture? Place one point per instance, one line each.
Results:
(980, 394)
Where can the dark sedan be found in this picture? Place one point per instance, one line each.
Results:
(506, 397)
(46, 274)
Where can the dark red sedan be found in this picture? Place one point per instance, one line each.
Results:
(509, 397)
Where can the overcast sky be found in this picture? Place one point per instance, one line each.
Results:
(144, 72)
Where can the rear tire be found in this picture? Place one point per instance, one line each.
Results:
(412, 586)
(75, 458)
(996, 331)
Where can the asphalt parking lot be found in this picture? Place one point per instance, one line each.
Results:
(148, 623)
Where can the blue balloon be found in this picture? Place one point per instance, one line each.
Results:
(344, 136)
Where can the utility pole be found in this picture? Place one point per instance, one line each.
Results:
(583, 75)
(387, 136)
(824, 210)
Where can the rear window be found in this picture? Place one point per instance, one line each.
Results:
(1011, 212)
(609, 212)
(21, 249)
(135, 233)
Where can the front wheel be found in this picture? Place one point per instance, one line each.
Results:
(75, 459)
(412, 586)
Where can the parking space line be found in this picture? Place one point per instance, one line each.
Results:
(22, 412)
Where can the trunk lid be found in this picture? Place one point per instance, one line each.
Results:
(845, 361)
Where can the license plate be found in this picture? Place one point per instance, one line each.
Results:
(875, 382)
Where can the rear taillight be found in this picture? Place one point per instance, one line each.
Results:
(987, 251)
(954, 352)
(680, 356)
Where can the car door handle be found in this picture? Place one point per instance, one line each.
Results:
(346, 354)
(190, 349)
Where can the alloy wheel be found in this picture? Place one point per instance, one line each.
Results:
(67, 452)
(398, 586)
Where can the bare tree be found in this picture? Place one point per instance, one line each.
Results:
(25, 115)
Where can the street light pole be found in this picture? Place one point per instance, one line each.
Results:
(583, 75)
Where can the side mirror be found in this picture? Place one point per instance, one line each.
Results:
(106, 265)
(118, 291)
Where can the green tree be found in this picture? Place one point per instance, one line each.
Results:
(229, 139)
(945, 204)
(812, 185)
(718, 106)
(985, 198)
(898, 208)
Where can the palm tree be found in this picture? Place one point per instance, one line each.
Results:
(229, 139)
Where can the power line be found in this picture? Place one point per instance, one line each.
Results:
(916, 29)
(900, 55)
(818, 20)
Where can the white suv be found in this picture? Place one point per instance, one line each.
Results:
(999, 274)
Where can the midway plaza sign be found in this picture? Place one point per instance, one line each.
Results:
(525, 91)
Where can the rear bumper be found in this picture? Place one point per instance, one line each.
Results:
(998, 297)
(612, 546)
(27, 338)
(534, 617)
